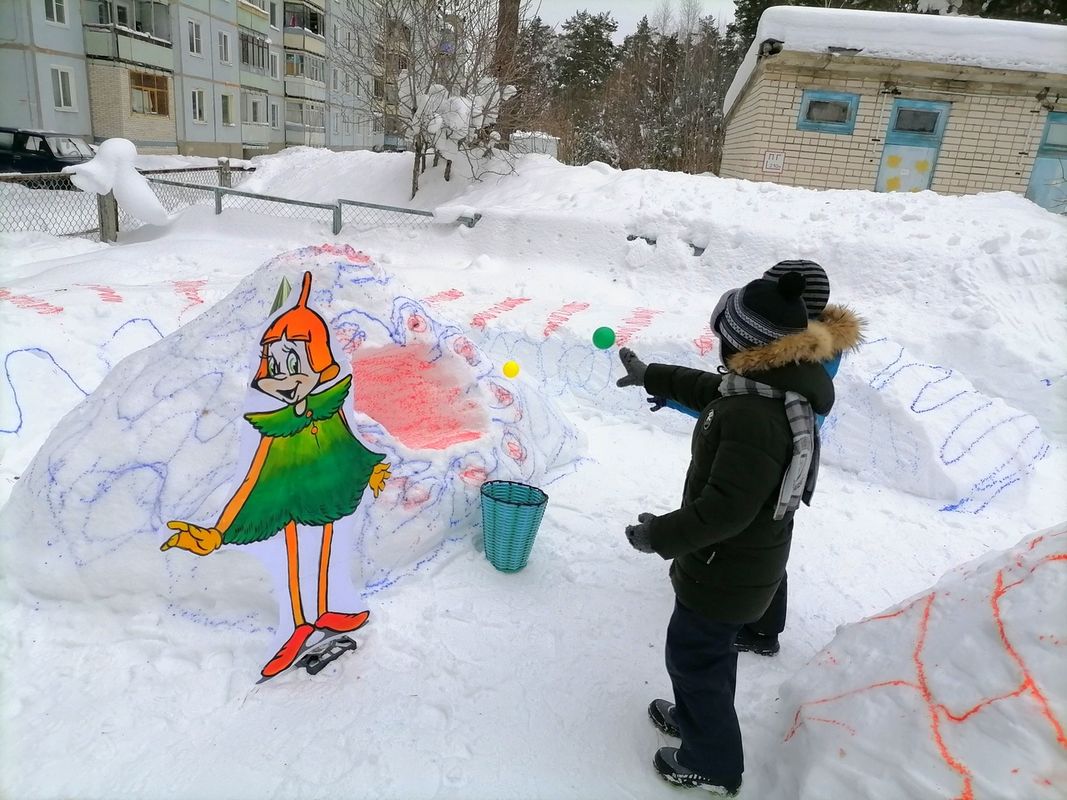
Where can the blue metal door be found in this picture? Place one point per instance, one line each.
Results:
(1048, 180)
(912, 142)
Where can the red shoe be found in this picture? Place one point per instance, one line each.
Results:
(290, 650)
(342, 623)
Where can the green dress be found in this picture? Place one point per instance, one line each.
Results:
(315, 471)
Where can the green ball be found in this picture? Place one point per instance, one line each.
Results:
(603, 338)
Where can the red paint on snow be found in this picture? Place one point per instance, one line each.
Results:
(705, 343)
(106, 293)
(482, 317)
(30, 303)
(190, 290)
(443, 297)
(640, 319)
(417, 400)
(559, 318)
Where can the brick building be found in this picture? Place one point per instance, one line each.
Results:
(841, 99)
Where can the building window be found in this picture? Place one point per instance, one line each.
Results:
(56, 11)
(1054, 140)
(253, 51)
(336, 79)
(62, 89)
(828, 112)
(227, 109)
(298, 15)
(198, 105)
(336, 124)
(306, 66)
(274, 65)
(257, 110)
(916, 120)
(149, 94)
(194, 38)
(274, 122)
(273, 13)
(224, 47)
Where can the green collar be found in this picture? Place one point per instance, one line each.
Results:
(285, 422)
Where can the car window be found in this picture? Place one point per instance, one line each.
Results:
(7, 139)
(33, 144)
(69, 146)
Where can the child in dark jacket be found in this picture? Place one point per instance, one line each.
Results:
(754, 459)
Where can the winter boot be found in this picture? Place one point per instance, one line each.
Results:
(748, 641)
(341, 623)
(290, 650)
(661, 712)
(666, 764)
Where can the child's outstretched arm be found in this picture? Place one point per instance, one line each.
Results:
(689, 388)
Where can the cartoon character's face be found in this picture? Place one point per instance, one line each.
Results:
(290, 377)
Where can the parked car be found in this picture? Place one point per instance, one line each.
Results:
(40, 151)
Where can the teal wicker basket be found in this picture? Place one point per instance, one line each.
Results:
(511, 515)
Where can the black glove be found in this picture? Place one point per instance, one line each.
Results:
(635, 368)
(656, 402)
(640, 536)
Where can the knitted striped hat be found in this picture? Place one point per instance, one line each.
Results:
(761, 312)
(816, 289)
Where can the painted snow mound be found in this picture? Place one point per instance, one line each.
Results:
(159, 440)
(965, 683)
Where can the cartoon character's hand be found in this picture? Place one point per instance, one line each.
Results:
(378, 478)
(193, 538)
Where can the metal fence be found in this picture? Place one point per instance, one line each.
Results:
(50, 203)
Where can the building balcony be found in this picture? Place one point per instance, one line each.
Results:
(118, 43)
(255, 134)
(303, 39)
(298, 86)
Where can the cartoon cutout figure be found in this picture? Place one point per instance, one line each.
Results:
(309, 469)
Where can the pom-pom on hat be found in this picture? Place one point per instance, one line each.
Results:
(761, 312)
(817, 285)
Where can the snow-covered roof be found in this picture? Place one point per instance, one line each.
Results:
(965, 41)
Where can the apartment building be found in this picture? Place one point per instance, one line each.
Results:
(199, 77)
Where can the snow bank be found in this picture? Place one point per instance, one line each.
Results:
(965, 681)
(931, 38)
(158, 440)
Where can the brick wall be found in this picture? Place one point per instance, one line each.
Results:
(989, 144)
(109, 92)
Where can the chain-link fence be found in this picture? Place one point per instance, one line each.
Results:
(368, 216)
(270, 206)
(49, 203)
(173, 195)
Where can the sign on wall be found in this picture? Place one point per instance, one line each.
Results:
(773, 162)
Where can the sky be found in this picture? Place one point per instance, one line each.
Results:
(626, 12)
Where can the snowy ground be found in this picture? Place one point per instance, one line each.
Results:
(471, 683)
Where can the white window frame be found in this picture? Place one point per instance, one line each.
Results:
(193, 30)
(275, 65)
(336, 80)
(273, 12)
(261, 102)
(275, 116)
(224, 45)
(336, 124)
(59, 12)
(69, 73)
(226, 104)
(197, 97)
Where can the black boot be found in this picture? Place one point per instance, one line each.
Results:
(748, 641)
(661, 712)
(667, 765)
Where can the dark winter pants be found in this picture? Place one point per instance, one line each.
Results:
(702, 663)
(773, 620)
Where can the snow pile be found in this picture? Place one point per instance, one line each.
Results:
(112, 170)
(159, 440)
(966, 681)
(930, 38)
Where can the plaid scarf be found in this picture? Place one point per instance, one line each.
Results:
(803, 469)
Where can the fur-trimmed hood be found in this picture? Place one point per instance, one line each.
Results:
(836, 330)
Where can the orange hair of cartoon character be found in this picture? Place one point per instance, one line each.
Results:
(301, 324)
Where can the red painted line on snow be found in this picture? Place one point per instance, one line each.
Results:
(483, 317)
(557, 319)
(640, 319)
(444, 297)
(30, 303)
(190, 290)
(107, 294)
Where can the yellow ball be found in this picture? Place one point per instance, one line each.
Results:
(510, 369)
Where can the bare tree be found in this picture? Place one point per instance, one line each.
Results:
(441, 75)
